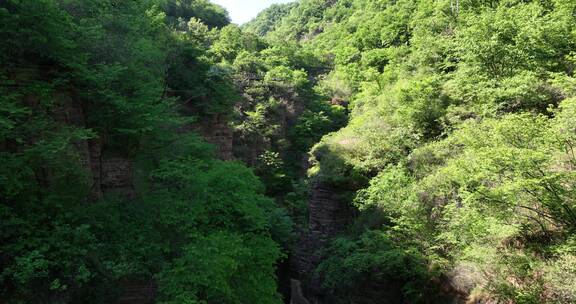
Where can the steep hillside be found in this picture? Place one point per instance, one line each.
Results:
(329, 151)
(458, 156)
(107, 193)
(152, 151)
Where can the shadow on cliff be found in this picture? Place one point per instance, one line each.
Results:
(346, 255)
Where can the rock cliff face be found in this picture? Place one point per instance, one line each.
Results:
(105, 173)
(112, 173)
(138, 292)
(297, 295)
(249, 148)
(116, 175)
(218, 132)
(329, 214)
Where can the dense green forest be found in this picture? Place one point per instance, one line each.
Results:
(403, 151)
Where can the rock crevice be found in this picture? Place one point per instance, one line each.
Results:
(329, 214)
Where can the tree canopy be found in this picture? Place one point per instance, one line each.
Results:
(448, 127)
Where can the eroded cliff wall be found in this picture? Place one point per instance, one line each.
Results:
(329, 214)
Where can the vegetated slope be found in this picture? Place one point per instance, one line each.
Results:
(268, 19)
(458, 155)
(459, 148)
(104, 180)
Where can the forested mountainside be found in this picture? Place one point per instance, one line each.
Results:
(109, 189)
(371, 151)
(458, 159)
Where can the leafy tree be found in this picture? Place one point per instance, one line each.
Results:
(179, 12)
(109, 74)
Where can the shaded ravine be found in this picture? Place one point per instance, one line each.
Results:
(329, 214)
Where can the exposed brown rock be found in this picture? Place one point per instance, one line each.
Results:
(329, 214)
(117, 176)
(138, 292)
(104, 173)
(297, 295)
(94, 166)
(218, 132)
(337, 101)
(250, 148)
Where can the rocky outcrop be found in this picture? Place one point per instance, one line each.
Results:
(93, 164)
(459, 283)
(214, 128)
(218, 132)
(116, 176)
(105, 173)
(297, 295)
(329, 214)
(137, 292)
(250, 148)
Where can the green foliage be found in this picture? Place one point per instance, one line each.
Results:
(460, 139)
(282, 75)
(231, 41)
(374, 260)
(216, 213)
(458, 147)
(83, 80)
(313, 123)
(223, 268)
(178, 12)
(267, 20)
